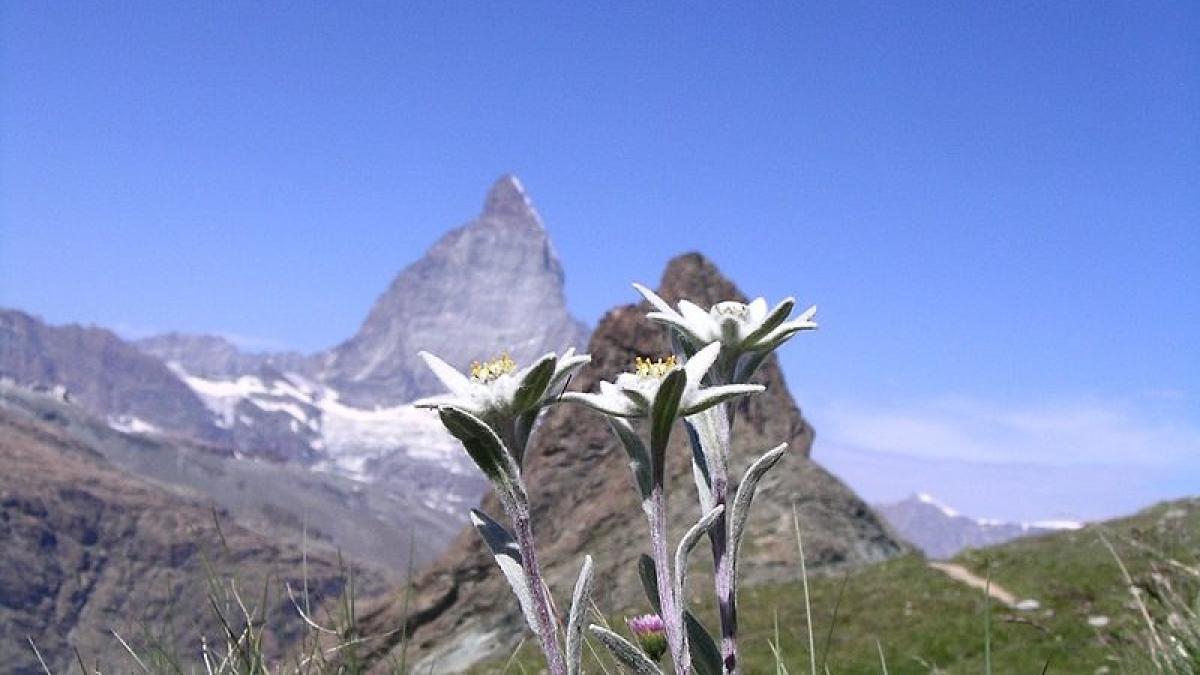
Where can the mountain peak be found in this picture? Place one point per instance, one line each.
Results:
(694, 277)
(491, 285)
(507, 198)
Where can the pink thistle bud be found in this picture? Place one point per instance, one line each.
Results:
(650, 633)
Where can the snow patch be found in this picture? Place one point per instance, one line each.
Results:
(349, 437)
(128, 424)
(298, 414)
(1055, 524)
(222, 397)
(926, 498)
(353, 435)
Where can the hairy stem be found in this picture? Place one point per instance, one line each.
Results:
(547, 625)
(672, 612)
(723, 578)
(718, 537)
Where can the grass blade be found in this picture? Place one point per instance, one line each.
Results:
(812, 648)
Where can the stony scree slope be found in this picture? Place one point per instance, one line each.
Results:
(584, 502)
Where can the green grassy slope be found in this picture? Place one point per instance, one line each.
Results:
(927, 622)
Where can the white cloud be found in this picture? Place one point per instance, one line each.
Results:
(1087, 458)
(1145, 431)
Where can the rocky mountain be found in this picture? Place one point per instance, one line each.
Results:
(106, 375)
(492, 285)
(86, 549)
(584, 502)
(378, 522)
(942, 532)
(495, 284)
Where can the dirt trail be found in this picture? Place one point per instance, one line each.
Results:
(960, 573)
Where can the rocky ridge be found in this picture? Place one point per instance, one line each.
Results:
(217, 358)
(106, 375)
(374, 522)
(584, 501)
(87, 550)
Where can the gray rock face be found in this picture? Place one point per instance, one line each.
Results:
(104, 374)
(493, 285)
(941, 532)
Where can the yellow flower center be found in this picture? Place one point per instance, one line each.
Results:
(645, 367)
(489, 371)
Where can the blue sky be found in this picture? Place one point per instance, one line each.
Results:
(994, 204)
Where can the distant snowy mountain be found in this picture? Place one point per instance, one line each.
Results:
(941, 531)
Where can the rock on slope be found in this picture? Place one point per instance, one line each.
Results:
(86, 549)
(584, 501)
(493, 284)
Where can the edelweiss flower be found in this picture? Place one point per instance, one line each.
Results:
(496, 390)
(632, 395)
(738, 326)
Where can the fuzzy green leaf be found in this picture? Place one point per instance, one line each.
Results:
(482, 444)
(580, 599)
(649, 576)
(772, 321)
(639, 457)
(630, 655)
(531, 389)
(662, 419)
(508, 556)
(706, 657)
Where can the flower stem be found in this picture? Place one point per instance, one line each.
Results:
(723, 567)
(723, 578)
(547, 626)
(672, 612)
